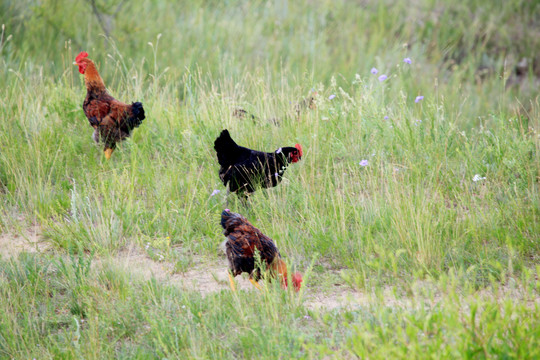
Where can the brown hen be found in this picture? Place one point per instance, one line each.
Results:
(243, 242)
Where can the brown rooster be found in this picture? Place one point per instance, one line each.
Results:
(112, 120)
(243, 241)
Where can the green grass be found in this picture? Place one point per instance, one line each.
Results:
(71, 312)
(413, 215)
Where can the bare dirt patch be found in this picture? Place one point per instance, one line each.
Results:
(206, 277)
(211, 276)
(26, 240)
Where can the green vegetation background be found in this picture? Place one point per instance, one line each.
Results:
(412, 214)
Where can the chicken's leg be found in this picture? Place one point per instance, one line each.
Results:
(231, 282)
(244, 200)
(108, 153)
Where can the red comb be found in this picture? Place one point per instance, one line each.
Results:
(299, 147)
(297, 281)
(81, 56)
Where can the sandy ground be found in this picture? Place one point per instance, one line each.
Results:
(206, 277)
(12, 244)
(210, 277)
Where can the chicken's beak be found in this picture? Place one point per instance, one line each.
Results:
(74, 63)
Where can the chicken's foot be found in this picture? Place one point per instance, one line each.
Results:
(256, 284)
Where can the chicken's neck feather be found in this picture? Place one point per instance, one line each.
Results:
(93, 81)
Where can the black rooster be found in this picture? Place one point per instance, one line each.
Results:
(244, 169)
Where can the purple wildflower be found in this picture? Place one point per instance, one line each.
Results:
(383, 77)
(363, 163)
(407, 61)
(386, 118)
(331, 97)
(419, 98)
(374, 71)
(215, 192)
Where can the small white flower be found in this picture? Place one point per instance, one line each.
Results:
(477, 177)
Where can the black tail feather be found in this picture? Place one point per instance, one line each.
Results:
(137, 116)
(225, 214)
(226, 148)
(224, 141)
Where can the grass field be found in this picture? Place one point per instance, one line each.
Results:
(414, 213)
